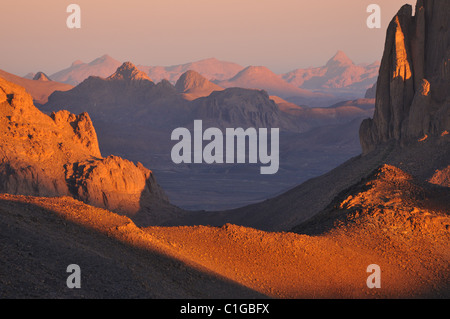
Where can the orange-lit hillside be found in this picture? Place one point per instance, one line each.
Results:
(389, 220)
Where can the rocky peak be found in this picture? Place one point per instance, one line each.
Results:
(339, 59)
(412, 96)
(41, 76)
(129, 72)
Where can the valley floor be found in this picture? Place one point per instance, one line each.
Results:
(388, 220)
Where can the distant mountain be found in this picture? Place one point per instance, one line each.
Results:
(79, 71)
(340, 79)
(129, 97)
(129, 73)
(134, 118)
(193, 85)
(29, 76)
(260, 77)
(363, 104)
(41, 76)
(238, 107)
(126, 96)
(339, 73)
(211, 69)
(39, 89)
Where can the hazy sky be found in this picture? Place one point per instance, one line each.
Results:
(280, 34)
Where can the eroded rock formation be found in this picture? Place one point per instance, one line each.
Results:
(412, 95)
(59, 155)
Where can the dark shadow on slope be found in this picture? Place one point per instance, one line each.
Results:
(297, 205)
(37, 245)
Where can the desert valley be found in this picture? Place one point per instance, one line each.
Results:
(87, 176)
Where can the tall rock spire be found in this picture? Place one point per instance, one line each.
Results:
(412, 99)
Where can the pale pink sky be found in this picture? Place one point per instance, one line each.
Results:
(280, 34)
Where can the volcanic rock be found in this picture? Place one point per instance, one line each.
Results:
(413, 99)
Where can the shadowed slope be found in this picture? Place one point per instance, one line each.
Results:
(390, 219)
(41, 236)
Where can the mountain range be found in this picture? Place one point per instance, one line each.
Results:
(254, 77)
(409, 129)
(338, 80)
(141, 115)
(127, 105)
(339, 73)
(211, 69)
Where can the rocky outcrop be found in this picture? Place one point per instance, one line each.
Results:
(236, 107)
(112, 182)
(441, 177)
(412, 96)
(59, 155)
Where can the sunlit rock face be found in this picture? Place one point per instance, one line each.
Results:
(59, 155)
(412, 96)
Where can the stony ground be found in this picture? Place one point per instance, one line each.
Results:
(40, 237)
(389, 220)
